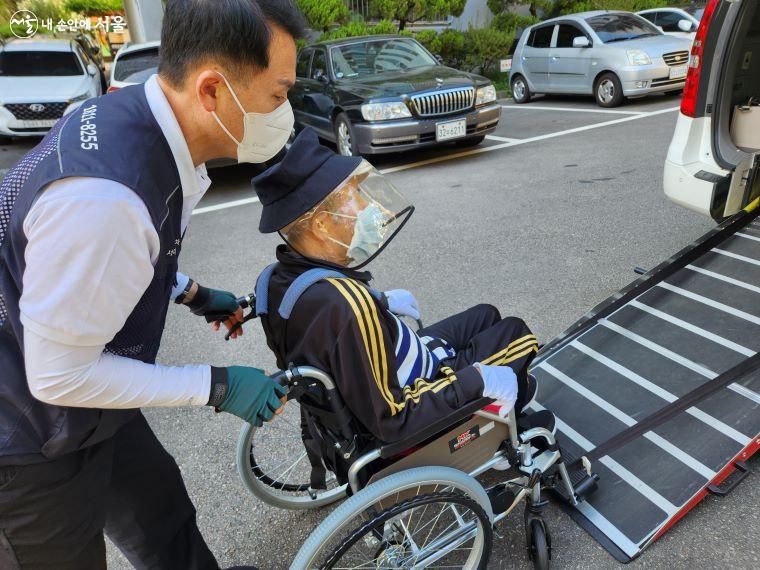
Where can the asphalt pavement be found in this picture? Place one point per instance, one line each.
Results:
(544, 220)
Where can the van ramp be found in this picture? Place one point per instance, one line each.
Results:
(659, 386)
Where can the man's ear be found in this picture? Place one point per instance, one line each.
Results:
(208, 86)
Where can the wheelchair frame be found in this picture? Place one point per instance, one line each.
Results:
(535, 470)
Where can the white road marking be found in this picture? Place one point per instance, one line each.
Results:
(724, 278)
(225, 205)
(507, 143)
(660, 442)
(525, 141)
(570, 110)
(500, 139)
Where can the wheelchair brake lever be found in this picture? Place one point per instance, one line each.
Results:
(245, 302)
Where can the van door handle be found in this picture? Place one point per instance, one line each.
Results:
(555, 58)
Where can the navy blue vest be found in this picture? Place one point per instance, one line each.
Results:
(114, 137)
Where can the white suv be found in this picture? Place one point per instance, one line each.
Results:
(40, 81)
(705, 169)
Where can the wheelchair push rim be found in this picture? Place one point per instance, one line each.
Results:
(428, 517)
(283, 481)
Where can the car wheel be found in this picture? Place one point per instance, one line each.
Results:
(472, 141)
(344, 136)
(520, 90)
(608, 91)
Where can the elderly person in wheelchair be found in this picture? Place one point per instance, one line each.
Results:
(336, 214)
(398, 408)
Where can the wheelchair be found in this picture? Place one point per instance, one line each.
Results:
(414, 503)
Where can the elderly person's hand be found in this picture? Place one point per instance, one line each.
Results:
(401, 302)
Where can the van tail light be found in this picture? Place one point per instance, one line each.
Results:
(111, 89)
(691, 89)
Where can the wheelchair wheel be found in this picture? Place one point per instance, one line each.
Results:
(273, 465)
(427, 517)
(539, 546)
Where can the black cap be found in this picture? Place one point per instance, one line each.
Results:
(301, 180)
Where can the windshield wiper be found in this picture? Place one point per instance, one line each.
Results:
(625, 39)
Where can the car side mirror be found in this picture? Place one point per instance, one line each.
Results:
(439, 59)
(685, 25)
(581, 42)
(323, 78)
(92, 70)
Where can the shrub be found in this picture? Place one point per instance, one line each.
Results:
(484, 48)
(511, 22)
(94, 7)
(410, 11)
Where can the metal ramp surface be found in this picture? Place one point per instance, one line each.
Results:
(680, 326)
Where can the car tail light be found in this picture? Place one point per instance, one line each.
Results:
(111, 89)
(691, 89)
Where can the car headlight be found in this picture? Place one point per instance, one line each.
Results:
(385, 111)
(485, 94)
(638, 57)
(79, 98)
(75, 102)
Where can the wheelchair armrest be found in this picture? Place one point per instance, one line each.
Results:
(442, 425)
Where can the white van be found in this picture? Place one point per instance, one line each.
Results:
(709, 169)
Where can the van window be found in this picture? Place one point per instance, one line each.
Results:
(566, 34)
(541, 37)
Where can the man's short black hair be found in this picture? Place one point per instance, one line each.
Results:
(235, 32)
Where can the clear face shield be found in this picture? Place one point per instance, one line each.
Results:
(353, 223)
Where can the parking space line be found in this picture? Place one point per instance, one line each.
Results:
(500, 139)
(507, 143)
(225, 205)
(570, 110)
(526, 141)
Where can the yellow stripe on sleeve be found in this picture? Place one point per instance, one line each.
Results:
(363, 328)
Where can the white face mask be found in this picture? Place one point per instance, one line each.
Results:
(264, 134)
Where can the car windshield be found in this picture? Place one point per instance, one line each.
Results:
(39, 63)
(620, 27)
(372, 57)
(136, 67)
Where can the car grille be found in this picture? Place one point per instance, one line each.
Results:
(50, 111)
(443, 102)
(676, 57)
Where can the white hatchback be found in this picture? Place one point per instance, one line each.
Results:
(40, 81)
(709, 168)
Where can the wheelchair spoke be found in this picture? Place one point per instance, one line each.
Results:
(293, 466)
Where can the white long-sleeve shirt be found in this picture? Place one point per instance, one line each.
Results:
(90, 255)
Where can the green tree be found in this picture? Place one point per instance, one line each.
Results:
(322, 14)
(410, 11)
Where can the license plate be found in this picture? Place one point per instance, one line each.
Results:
(450, 130)
(37, 124)
(679, 71)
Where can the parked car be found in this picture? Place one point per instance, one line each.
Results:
(91, 47)
(133, 64)
(705, 169)
(681, 22)
(382, 94)
(611, 55)
(40, 81)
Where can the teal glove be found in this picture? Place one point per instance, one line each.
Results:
(213, 304)
(251, 395)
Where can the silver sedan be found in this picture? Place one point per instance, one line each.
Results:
(611, 55)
